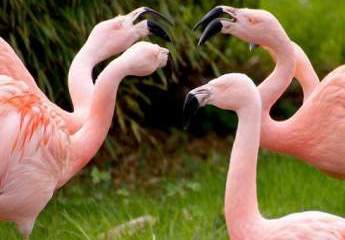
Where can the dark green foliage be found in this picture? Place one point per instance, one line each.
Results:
(47, 34)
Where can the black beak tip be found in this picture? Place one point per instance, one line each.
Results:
(191, 106)
(196, 26)
(212, 14)
(201, 42)
(212, 29)
(155, 29)
(158, 14)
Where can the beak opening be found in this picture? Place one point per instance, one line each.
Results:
(190, 107)
(212, 14)
(212, 29)
(157, 30)
(147, 10)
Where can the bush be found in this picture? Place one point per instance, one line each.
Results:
(47, 34)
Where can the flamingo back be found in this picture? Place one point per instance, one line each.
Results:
(321, 119)
(29, 128)
(11, 65)
(307, 226)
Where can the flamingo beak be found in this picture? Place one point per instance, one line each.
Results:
(212, 29)
(155, 13)
(194, 100)
(157, 30)
(153, 27)
(214, 13)
(190, 107)
(212, 24)
(170, 66)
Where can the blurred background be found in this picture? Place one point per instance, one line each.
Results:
(149, 164)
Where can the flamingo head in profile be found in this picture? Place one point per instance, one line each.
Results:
(256, 26)
(115, 35)
(228, 92)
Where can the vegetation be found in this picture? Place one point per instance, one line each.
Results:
(188, 204)
(48, 34)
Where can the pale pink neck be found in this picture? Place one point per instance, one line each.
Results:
(241, 205)
(80, 83)
(305, 73)
(273, 87)
(86, 142)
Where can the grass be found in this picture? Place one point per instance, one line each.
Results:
(188, 205)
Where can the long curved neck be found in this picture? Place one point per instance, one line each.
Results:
(273, 87)
(80, 84)
(305, 73)
(86, 142)
(241, 205)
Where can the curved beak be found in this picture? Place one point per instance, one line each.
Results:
(211, 23)
(194, 100)
(153, 27)
(212, 14)
(212, 29)
(190, 107)
(157, 30)
(150, 11)
(170, 68)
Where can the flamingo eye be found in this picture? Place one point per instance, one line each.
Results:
(252, 20)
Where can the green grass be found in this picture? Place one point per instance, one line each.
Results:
(188, 206)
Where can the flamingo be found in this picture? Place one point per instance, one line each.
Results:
(243, 219)
(121, 31)
(315, 132)
(39, 155)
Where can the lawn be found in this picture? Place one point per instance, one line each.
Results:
(188, 205)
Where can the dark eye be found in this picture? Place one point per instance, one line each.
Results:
(252, 20)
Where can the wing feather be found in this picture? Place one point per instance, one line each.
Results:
(29, 126)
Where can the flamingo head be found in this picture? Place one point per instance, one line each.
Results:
(257, 27)
(144, 58)
(229, 92)
(114, 36)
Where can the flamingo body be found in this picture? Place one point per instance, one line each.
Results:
(315, 132)
(41, 143)
(36, 142)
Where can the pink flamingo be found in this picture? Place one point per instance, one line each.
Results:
(315, 132)
(39, 154)
(107, 39)
(244, 221)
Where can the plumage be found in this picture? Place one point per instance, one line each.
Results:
(41, 144)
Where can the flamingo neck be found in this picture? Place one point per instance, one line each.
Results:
(273, 132)
(88, 139)
(305, 73)
(80, 83)
(241, 206)
(273, 87)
